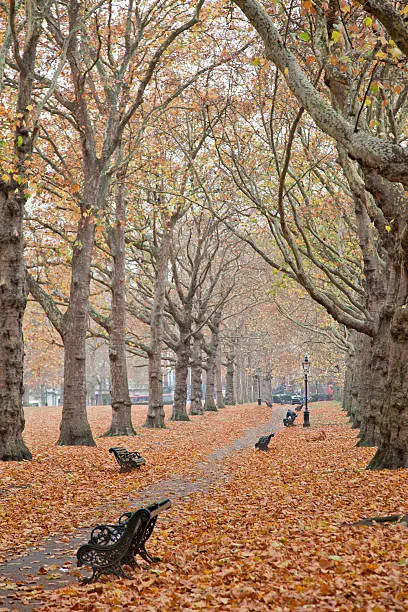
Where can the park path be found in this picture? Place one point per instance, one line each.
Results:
(55, 556)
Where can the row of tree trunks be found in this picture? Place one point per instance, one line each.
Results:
(189, 351)
(379, 184)
(244, 392)
(184, 355)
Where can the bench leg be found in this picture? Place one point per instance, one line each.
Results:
(120, 573)
(147, 556)
(124, 469)
(95, 576)
(131, 561)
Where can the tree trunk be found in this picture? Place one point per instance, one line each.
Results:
(352, 390)
(209, 404)
(12, 306)
(389, 398)
(245, 387)
(384, 383)
(372, 368)
(155, 413)
(121, 405)
(121, 424)
(218, 379)
(74, 428)
(179, 412)
(196, 404)
(229, 381)
(249, 380)
(361, 412)
(12, 270)
(239, 380)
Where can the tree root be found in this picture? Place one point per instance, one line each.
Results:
(402, 519)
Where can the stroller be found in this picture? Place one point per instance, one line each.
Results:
(289, 420)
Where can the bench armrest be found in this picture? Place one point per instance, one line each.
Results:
(160, 506)
(135, 455)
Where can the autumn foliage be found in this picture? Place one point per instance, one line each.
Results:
(263, 531)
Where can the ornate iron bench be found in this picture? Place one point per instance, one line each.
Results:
(263, 442)
(127, 460)
(110, 547)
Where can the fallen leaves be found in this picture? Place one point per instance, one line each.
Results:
(69, 486)
(268, 536)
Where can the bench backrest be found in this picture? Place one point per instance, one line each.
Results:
(119, 450)
(101, 555)
(110, 545)
(154, 509)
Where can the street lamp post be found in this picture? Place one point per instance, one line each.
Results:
(258, 376)
(306, 370)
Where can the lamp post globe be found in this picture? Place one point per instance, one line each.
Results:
(306, 363)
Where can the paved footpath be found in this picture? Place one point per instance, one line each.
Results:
(25, 569)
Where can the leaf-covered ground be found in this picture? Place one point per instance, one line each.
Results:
(61, 487)
(268, 536)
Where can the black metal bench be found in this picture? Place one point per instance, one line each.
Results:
(127, 460)
(112, 546)
(263, 442)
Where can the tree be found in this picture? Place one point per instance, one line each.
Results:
(106, 85)
(196, 392)
(211, 348)
(218, 379)
(199, 261)
(229, 379)
(22, 34)
(115, 323)
(379, 164)
(155, 414)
